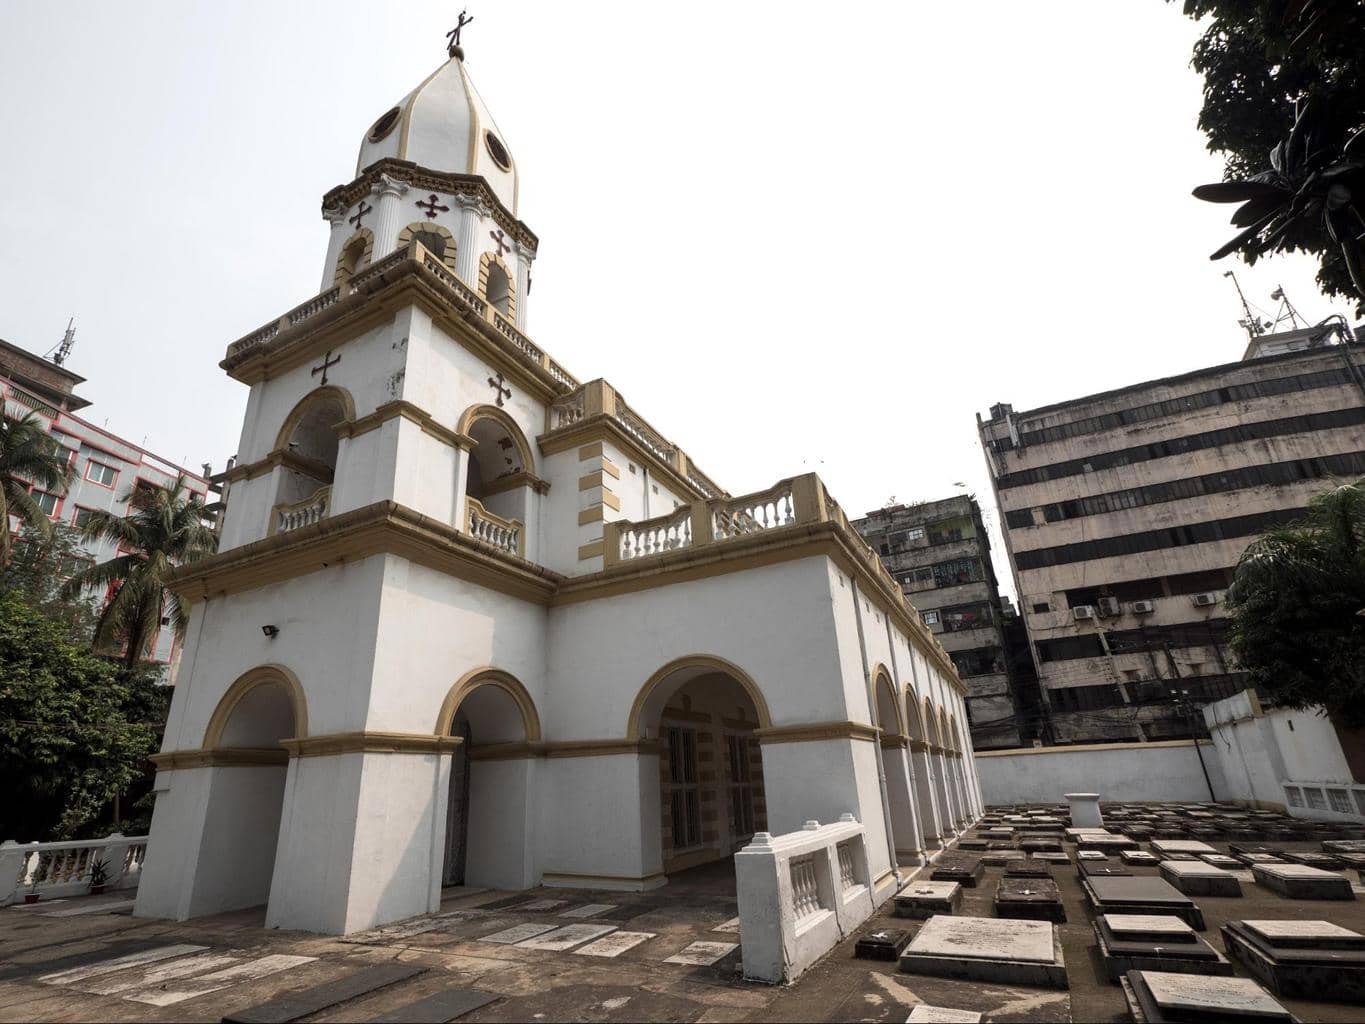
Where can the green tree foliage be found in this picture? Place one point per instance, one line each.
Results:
(28, 456)
(37, 569)
(74, 730)
(1264, 62)
(1296, 604)
(164, 528)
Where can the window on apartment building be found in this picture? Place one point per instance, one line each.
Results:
(81, 517)
(1019, 518)
(741, 786)
(143, 491)
(1068, 647)
(99, 473)
(915, 533)
(959, 570)
(1041, 606)
(930, 618)
(45, 501)
(684, 787)
(970, 616)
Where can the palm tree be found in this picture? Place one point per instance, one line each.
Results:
(1298, 608)
(28, 457)
(164, 529)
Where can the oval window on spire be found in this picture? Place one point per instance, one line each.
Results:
(384, 125)
(497, 151)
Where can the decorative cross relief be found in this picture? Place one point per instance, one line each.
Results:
(497, 385)
(360, 212)
(503, 247)
(431, 206)
(327, 363)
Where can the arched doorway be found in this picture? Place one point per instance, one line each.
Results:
(247, 770)
(489, 811)
(895, 751)
(921, 760)
(704, 713)
(307, 445)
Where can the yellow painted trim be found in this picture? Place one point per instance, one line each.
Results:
(371, 743)
(1082, 747)
(262, 675)
(311, 399)
(881, 679)
(593, 550)
(343, 273)
(565, 877)
(491, 412)
(611, 500)
(808, 732)
(412, 413)
(516, 481)
(591, 514)
(221, 757)
(591, 451)
(600, 748)
(609, 468)
(589, 481)
(507, 752)
(746, 682)
(447, 257)
(505, 681)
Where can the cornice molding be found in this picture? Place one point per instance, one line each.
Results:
(219, 757)
(603, 427)
(413, 414)
(515, 481)
(425, 179)
(371, 743)
(810, 732)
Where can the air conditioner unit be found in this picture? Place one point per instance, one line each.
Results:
(1205, 600)
(1082, 611)
(1142, 607)
(1108, 607)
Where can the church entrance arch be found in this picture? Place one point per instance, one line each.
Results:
(704, 713)
(489, 807)
(246, 770)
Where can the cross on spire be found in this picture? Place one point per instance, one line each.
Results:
(497, 385)
(454, 34)
(360, 212)
(503, 247)
(328, 361)
(431, 206)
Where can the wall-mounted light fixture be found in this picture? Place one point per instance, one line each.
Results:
(270, 631)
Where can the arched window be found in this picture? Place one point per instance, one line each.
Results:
(354, 254)
(435, 239)
(433, 242)
(498, 289)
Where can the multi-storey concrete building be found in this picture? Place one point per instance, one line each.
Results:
(939, 552)
(108, 470)
(1125, 514)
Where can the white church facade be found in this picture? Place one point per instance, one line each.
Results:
(473, 621)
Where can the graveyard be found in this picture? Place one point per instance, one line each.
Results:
(1161, 912)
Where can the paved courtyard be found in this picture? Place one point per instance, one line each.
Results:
(551, 955)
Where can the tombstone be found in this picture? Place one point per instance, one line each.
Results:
(1164, 997)
(1001, 951)
(1073, 834)
(1344, 846)
(961, 868)
(1106, 843)
(1031, 868)
(1000, 858)
(1193, 847)
(884, 944)
(1085, 810)
(1195, 878)
(1326, 861)
(1052, 856)
(1033, 844)
(1092, 869)
(923, 1013)
(1034, 899)
(1301, 882)
(973, 844)
(1139, 857)
(1138, 942)
(1314, 960)
(1221, 860)
(1252, 859)
(925, 899)
(1141, 894)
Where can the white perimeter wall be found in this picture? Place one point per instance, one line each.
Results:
(1117, 771)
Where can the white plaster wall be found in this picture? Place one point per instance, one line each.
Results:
(502, 840)
(588, 825)
(1309, 746)
(236, 856)
(1117, 771)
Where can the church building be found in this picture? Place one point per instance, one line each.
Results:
(475, 621)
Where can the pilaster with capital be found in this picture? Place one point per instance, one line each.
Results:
(525, 256)
(472, 212)
(388, 193)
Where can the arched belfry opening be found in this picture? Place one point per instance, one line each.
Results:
(307, 446)
(704, 715)
(490, 809)
(245, 789)
(499, 481)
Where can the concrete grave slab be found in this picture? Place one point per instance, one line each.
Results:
(563, 939)
(702, 954)
(1343, 846)
(1221, 860)
(999, 858)
(1053, 856)
(308, 1001)
(542, 906)
(1156, 942)
(964, 869)
(1193, 846)
(517, 933)
(438, 1008)
(1036, 899)
(1139, 857)
(1162, 996)
(883, 944)
(1141, 894)
(1315, 960)
(591, 910)
(161, 994)
(1009, 952)
(1195, 878)
(1030, 868)
(926, 899)
(926, 1014)
(614, 945)
(1301, 882)
(1101, 869)
(1326, 861)
(1091, 855)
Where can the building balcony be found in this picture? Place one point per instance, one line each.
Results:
(312, 509)
(505, 535)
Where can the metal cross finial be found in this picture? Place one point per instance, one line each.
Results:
(454, 34)
(327, 363)
(503, 392)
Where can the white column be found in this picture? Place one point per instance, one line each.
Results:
(525, 256)
(388, 220)
(472, 212)
(924, 787)
(334, 242)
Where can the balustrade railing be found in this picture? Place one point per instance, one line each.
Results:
(655, 536)
(310, 510)
(753, 513)
(805, 887)
(504, 534)
(637, 428)
(568, 411)
(313, 306)
(64, 868)
(452, 282)
(509, 331)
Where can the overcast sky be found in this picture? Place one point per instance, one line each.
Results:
(795, 236)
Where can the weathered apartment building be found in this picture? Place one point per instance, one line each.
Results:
(1125, 514)
(107, 470)
(939, 552)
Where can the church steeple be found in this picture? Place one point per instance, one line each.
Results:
(435, 168)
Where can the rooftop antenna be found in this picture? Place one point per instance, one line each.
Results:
(1286, 310)
(68, 340)
(1254, 328)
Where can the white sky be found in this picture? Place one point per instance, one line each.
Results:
(796, 236)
